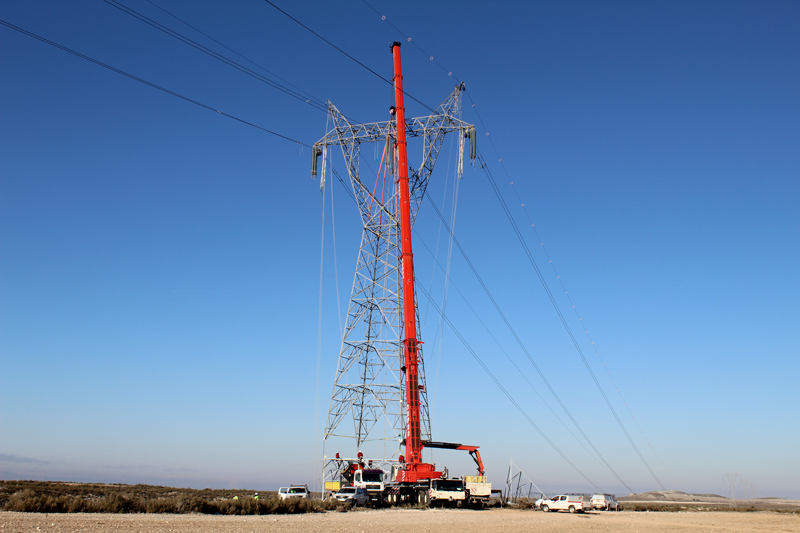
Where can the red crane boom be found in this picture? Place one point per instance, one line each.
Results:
(414, 468)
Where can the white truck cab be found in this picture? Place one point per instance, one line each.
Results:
(450, 491)
(371, 480)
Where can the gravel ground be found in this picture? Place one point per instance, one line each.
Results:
(412, 521)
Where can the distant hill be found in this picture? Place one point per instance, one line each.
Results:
(677, 497)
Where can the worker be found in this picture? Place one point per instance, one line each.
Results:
(256, 496)
(236, 497)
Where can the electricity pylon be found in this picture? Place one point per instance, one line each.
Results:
(369, 384)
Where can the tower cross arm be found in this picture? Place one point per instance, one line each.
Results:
(378, 131)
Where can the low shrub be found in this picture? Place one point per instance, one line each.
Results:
(652, 507)
(120, 502)
(162, 505)
(332, 504)
(674, 508)
(53, 497)
(526, 503)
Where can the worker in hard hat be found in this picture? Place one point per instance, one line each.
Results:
(256, 496)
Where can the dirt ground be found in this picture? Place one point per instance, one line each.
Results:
(411, 521)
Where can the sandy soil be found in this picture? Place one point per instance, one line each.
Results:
(412, 521)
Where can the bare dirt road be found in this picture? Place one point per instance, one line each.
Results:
(411, 521)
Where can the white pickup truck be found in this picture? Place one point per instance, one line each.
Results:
(295, 491)
(574, 503)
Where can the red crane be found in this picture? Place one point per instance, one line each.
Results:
(412, 480)
(414, 469)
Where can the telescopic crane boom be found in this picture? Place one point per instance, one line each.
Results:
(414, 469)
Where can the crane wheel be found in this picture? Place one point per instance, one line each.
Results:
(423, 498)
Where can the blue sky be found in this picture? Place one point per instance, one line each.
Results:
(160, 263)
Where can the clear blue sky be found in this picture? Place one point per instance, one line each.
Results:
(159, 263)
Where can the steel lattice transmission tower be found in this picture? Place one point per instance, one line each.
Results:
(369, 382)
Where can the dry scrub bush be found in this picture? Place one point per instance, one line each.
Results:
(655, 507)
(332, 504)
(526, 503)
(673, 508)
(161, 505)
(53, 497)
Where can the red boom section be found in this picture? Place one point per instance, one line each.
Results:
(473, 451)
(415, 469)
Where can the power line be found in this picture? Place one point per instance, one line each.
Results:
(532, 261)
(524, 349)
(145, 82)
(566, 293)
(503, 389)
(480, 361)
(519, 371)
(605, 463)
(328, 42)
(390, 82)
(449, 73)
(234, 51)
(313, 101)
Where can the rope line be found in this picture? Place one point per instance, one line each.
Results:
(335, 263)
(319, 335)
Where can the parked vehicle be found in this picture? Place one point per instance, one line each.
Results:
(352, 495)
(294, 491)
(371, 480)
(574, 503)
(388, 482)
(478, 490)
(605, 502)
(538, 503)
(448, 491)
